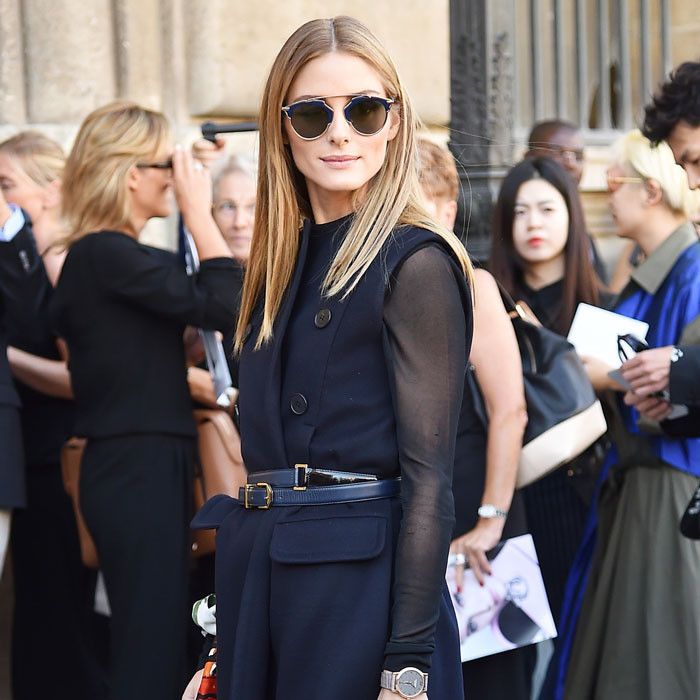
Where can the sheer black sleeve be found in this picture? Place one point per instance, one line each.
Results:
(427, 318)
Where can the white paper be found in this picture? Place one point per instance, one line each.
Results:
(594, 332)
(514, 589)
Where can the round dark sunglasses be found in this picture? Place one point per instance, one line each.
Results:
(310, 119)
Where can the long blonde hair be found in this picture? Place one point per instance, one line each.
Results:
(111, 140)
(40, 158)
(392, 198)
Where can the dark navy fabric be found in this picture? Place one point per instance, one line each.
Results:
(304, 595)
(324, 433)
(306, 613)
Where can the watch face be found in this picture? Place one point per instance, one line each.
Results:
(487, 511)
(409, 683)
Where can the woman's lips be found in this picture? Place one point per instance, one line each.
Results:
(339, 162)
(535, 241)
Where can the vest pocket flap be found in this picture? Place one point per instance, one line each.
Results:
(320, 541)
(213, 512)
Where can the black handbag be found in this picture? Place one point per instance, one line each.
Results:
(564, 415)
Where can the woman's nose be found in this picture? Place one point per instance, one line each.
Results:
(339, 130)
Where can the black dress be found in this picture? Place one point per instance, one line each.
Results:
(53, 590)
(508, 675)
(122, 308)
(368, 383)
(556, 511)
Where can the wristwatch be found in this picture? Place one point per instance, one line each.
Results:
(409, 682)
(487, 510)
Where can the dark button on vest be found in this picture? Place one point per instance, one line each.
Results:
(298, 404)
(322, 318)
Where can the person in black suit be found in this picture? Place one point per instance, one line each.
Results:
(663, 376)
(53, 590)
(12, 493)
(122, 309)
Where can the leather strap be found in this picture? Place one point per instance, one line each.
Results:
(263, 495)
(301, 475)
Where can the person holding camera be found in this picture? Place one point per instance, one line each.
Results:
(122, 308)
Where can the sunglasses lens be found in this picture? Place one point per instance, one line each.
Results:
(367, 115)
(309, 120)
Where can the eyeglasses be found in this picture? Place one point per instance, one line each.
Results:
(629, 345)
(616, 181)
(162, 165)
(310, 119)
(575, 154)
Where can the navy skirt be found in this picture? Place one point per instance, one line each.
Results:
(304, 602)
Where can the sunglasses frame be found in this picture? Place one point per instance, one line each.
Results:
(162, 165)
(385, 102)
(618, 180)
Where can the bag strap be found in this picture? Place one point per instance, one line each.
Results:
(513, 308)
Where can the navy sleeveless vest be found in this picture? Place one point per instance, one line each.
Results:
(337, 412)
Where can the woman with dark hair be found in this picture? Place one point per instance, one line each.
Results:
(540, 255)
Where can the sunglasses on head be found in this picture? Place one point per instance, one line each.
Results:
(311, 118)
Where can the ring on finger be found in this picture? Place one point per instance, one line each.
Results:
(459, 559)
(198, 166)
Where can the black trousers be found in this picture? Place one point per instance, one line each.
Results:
(58, 642)
(12, 486)
(135, 494)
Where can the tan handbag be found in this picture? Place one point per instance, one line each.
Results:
(221, 468)
(71, 457)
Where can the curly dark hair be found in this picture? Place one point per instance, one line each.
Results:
(677, 100)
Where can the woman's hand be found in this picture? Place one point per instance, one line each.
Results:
(474, 545)
(649, 406)
(597, 372)
(385, 694)
(207, 153)
(648, 372)
(193, 686)
(192, 186)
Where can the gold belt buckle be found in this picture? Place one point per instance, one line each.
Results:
(268, 495)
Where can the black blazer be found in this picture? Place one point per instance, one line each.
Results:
(122, 308)
(47, 422)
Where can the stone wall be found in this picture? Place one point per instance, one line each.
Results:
(190, 58)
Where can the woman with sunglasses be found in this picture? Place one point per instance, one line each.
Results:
(122, 307)
(354, 335)
(638, 633)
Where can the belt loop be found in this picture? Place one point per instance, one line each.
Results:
(301, 477)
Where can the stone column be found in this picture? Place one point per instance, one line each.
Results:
(482, 109)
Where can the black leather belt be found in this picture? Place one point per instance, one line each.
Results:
(264, 495)
(301, 476)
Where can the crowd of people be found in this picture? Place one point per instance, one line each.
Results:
(363, 345)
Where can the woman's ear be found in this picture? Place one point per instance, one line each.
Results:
(654, 193)
(394, 123)
(52, 194)
(133, 178)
